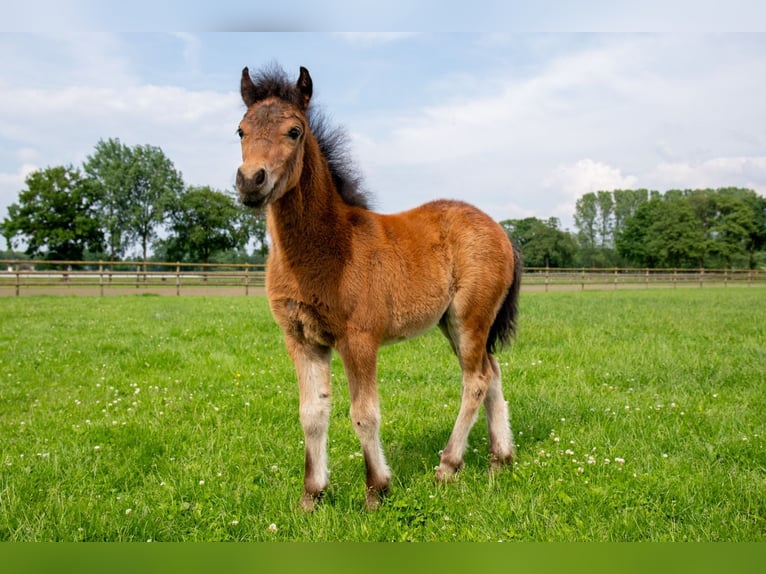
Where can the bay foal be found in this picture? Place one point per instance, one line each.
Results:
(342, 276)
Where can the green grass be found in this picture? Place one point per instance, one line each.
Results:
(639, 415)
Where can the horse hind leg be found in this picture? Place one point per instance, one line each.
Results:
(478, 376)
(498, 422)
(481, 385)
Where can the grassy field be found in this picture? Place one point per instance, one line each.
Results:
(639, 415)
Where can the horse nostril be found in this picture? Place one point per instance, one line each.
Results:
(260, 177)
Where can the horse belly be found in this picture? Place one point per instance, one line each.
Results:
(415, 312)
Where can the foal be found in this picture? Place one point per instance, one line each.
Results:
(341, 276)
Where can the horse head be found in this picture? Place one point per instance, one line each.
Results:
(272, 133)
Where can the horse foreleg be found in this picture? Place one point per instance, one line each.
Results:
(360, 364)
(498, 424)
(312, 365)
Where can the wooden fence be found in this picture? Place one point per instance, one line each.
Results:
(106, 277)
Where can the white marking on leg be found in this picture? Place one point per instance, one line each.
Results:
(474, 390)
(498, 423)
(315, 403)
(366, 421)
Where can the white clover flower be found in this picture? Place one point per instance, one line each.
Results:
(272, 527)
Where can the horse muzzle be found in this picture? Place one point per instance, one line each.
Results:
(254, 186)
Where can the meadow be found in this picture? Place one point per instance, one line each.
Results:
(639, 416)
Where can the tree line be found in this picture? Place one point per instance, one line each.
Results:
(129, 202)
(715, 228)
(126, 202)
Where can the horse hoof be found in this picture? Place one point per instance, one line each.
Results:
(374, 497)
(500, 462)
(309, 501)
(372, 500)
(446, 473)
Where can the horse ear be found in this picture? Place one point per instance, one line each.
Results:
(247, 88)
(305, 87)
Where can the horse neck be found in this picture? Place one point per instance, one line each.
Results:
(307, 223)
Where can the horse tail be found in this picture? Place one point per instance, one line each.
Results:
(504, 327)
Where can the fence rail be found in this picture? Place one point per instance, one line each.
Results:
(617, 278)
(19, 277)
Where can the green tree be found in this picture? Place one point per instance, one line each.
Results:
(135, 185)
(632, 243)
(204, 222)
(731, 229)
(626, 202)
(55, 215)
(586, 222)
(108, 169)
(153, 184)
(586, 215)
(605, 204)
(542, 243)
(754, 229)
(676, 238)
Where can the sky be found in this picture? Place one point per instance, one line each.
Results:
(520, 121)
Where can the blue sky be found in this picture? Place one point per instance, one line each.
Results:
(519, 122)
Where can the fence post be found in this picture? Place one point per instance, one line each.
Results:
(18, 280)
(247, 279)
(101, 278)
(702, 274)
(178, 278)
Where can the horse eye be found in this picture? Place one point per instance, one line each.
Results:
(294, 133)
(240, 132)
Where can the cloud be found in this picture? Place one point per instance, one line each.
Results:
(585, 176)
(195, 129)
(583, 114)
(16, 180)
(521, 126)
(749, 172)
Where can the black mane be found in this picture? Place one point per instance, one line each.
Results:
(333, 141)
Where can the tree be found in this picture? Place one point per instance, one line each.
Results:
(586, 214)
(626, 202)
(542, 243)
(675, 237)
(153, 184)
(605, 203)
(585, 217)
(632, 243)
(731, 228)
(108, 170)
(203, 222)
(135, 185)
(755, 228)
(55, 215)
